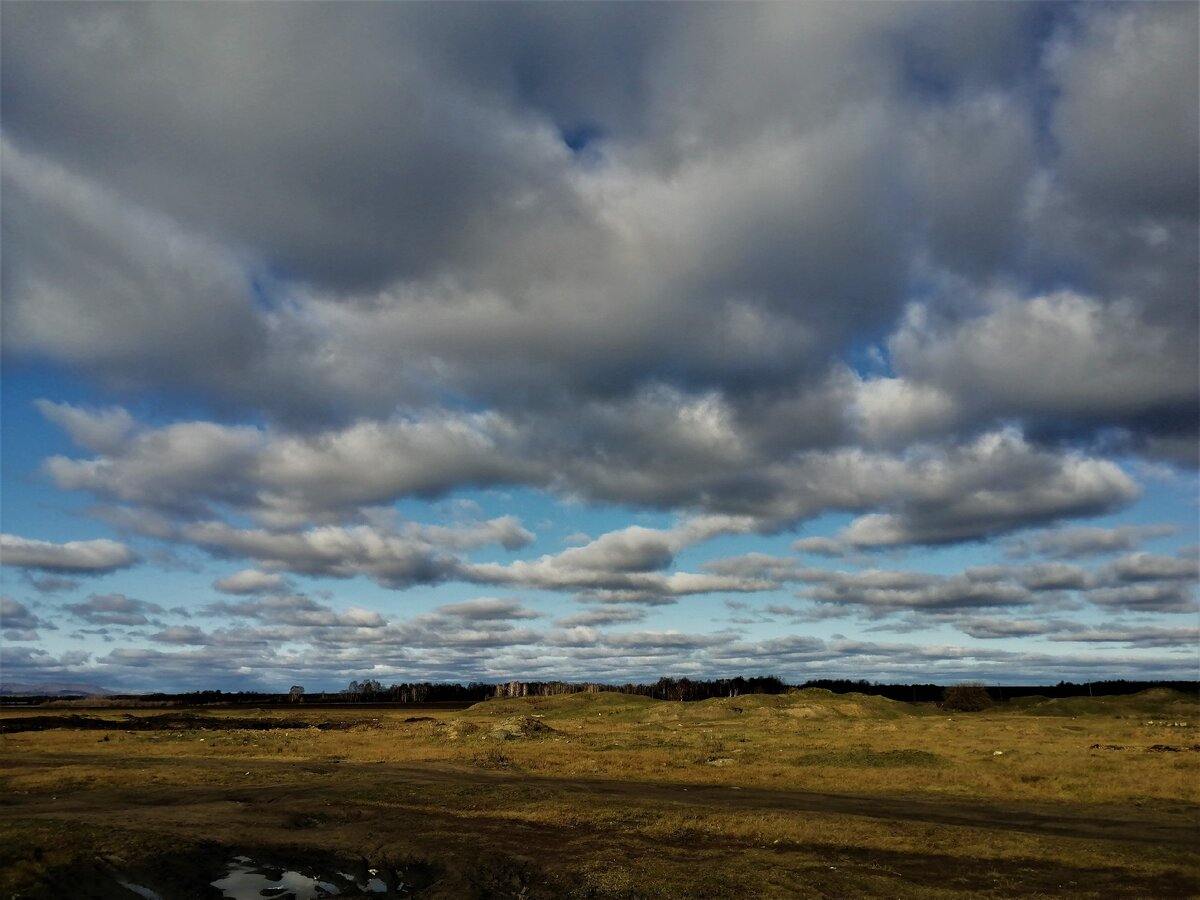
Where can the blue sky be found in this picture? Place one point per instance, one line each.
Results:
(598, 342)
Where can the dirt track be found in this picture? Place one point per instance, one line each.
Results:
(1179, 828)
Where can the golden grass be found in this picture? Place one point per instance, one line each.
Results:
(396, 780)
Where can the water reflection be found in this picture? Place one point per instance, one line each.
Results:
(248, 880)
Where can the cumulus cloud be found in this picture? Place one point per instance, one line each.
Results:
(747, 249)
(932, 270)
(996, 485)
(1081, 362)
(76, 557)
(625, 566)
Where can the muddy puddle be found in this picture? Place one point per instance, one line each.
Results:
(248, 878)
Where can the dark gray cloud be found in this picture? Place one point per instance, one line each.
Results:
(486, 609)
(1142, 567)
(450, 239)
(997, 629)
(75, 557)
(1090, 363)
(1128, 133)
(1153, 597)
(19, 623)
(1185, 637)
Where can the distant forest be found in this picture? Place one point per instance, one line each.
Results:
(681, 689)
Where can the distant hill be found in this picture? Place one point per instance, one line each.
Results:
(53, 689)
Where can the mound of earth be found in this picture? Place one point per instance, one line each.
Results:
(520, 727)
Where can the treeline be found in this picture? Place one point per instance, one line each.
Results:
(678, 689)
(689, 689)
(370, 690)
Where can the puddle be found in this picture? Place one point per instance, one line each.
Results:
(246, 879)
(140, 890)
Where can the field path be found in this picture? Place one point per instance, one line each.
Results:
(1043, 820)
(275, 783)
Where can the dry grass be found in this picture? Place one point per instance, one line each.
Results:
(572, 790)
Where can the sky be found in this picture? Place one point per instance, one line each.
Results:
(598, 342)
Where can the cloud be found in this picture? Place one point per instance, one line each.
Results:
(249, 581)
(1124, 119)
(996, 485)
(708, 242)
(1155, 597)
(1082, 543)
(486, 609)
(342, 553)
(50, 584)
(19, 623)
(1084, 363)
(1154, 636)
(602, 615)
(100, 430)
(624, 566)
(994, 629)
(181, 634)
(299, 611)
(881, 591)
(114, 609)
(1140, 567)
(76, 557)
(119, 283)
(820, 546)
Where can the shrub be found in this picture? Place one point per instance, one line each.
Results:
(970, 697)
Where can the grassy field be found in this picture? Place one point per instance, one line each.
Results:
(807, 794)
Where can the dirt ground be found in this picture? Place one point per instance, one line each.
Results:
(439, 810)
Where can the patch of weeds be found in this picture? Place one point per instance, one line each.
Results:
(492, 758)
(711, 748)
(873, 759)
